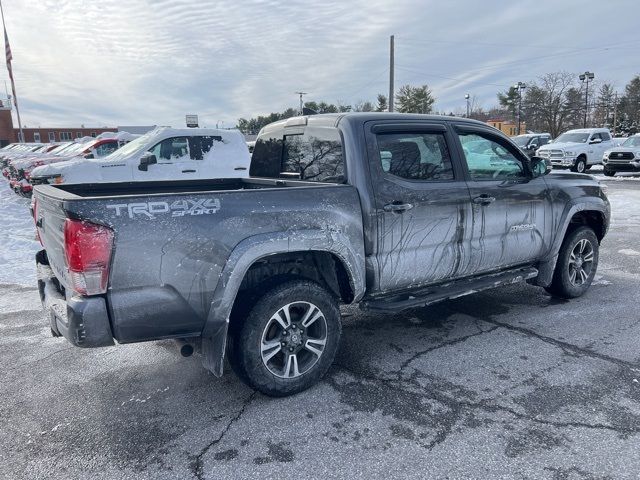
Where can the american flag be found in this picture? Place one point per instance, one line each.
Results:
(7, 51)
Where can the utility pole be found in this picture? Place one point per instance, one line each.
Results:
(586, 77)
(466, 97)
(520, 86)
(391, 62)
(301, 102)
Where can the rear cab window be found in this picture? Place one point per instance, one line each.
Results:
(315, 154)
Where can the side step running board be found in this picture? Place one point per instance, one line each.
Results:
(455, 289)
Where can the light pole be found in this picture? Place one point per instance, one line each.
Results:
(466, 97)
(520, 86)
(301, 102)
(586, 77)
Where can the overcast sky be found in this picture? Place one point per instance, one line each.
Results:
(141, 62)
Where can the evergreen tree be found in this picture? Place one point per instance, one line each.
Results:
(414, 99)
(509, 101)
(382, 105)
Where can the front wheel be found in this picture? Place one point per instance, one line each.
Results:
(580, 166)
(288, 340)
(577, 264)
(608, 172)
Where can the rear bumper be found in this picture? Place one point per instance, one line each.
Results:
(83, 321)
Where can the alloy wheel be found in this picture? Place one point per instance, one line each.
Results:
(293, 339)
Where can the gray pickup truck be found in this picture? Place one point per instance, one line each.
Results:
(389, 211)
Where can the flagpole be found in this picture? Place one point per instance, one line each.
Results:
(13, 83)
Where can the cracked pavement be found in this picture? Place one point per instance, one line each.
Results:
(508, 383)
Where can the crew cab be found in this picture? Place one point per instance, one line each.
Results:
(388, 211)
(625, 158)
(162, 154)
(577, 149)
(529, 143)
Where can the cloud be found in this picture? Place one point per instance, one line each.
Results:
(152, 62)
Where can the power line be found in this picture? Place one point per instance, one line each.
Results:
(411, 42)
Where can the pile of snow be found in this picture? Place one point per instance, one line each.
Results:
(18, 244)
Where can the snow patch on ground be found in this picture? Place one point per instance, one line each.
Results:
(18, 244)
(630, 252)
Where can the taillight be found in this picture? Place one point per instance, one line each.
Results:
(87, 249)
(34, 213)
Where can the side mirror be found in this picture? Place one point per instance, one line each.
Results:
(533, 146)
(595, 140)
(147, 159)
(89, 156)
(540, 166)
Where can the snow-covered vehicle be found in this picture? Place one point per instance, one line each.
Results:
(83, 148)
(21, 150)
(625, 158)
(577, 149)
(162, 154)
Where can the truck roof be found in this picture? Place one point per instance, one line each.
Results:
(333, 119)
(588, 130)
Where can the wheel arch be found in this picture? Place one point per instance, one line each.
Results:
(283, 255)
(593, 214)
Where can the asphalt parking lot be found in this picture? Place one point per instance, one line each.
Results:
(508, 383)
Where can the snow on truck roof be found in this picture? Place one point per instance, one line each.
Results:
(587, 130)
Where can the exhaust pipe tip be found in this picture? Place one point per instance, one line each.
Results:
(186, 350)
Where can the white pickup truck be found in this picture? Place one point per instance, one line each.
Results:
(577, 149)
(162, 154)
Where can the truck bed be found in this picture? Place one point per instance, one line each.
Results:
(175, 242)
(87, 190)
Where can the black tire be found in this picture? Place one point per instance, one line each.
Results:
(580, 165)
(258, 328)
(573, 277)
(608, 173)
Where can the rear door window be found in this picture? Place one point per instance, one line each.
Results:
(201, 145)
(415, 156)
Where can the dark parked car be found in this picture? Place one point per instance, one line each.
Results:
(530, 142)
(390, 211)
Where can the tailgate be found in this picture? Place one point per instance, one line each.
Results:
(49, 215)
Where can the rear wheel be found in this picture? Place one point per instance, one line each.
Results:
(580, 165)
(577, 264)
(288, 340)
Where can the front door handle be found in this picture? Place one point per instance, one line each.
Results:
(397, 207)
(484, 199)
(188, 171)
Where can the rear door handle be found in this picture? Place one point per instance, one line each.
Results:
(188, 171)
(397, 207)
(484, 199)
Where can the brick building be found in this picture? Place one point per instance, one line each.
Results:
(10, 134)
(508, 127)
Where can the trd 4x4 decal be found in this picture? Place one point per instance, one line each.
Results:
(178, 208)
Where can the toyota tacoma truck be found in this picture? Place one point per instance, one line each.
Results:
(388, 211)
(623, 158)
